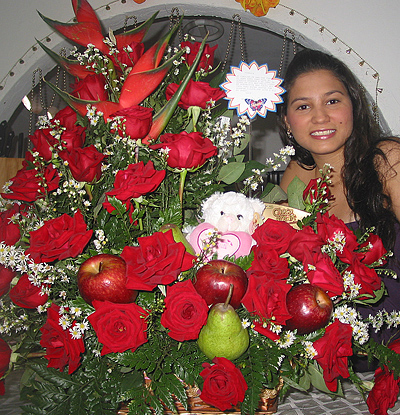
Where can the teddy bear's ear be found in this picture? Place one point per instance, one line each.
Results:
(256, 222)
(208, 202)
(257, 205)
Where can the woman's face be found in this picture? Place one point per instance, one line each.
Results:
(319, 112)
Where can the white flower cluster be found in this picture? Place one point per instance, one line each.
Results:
(351, 290)
(252, 182)
(281, 157)
(349, 315)
(309, 349)
(219, 133)
(286, 340)
(335, 244)
(67, 321)
(39, 274)
(100, 241)
(391, 319)
(99, 63)
(92, 115)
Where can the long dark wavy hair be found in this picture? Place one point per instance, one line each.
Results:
(364, 188)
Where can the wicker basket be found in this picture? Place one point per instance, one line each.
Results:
(268, 404)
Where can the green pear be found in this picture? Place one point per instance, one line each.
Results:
(223, 335)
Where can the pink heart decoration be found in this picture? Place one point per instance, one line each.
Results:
(230, 243)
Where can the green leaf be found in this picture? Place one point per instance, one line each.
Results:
(218, 80)
(303, 384)
(295, 193)
(273, 193)
(231, 172)
(317, 380)
(120, 208)
(176, 388)
(378, 294)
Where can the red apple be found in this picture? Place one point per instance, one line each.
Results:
(102, 277)
(213, 280)
(310, 307)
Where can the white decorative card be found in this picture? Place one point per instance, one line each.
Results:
(253, 89)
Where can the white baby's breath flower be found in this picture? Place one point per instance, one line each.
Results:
(309, 349)
(75, 332)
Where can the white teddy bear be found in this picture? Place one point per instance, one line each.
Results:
(235, 217)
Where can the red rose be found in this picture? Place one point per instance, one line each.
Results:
(26, 295)
(384, 393)
(366, 277)
(91, 88)
(138, 121)
(196, 94)
(67, 117)
(61, 348)
(157, 260)
(186, 150)
(73, 137)
(84, 163)
(333, 349)
(206, 59)
(119, 327)
(27, 186)
(305, 242)
(6, 276)
(128, 54)
(185, 311)
(266, 297)
(322, 272)
(224, 384)
(312, 193)
(137, 180)
(334, 230)
(395, 346)
(59, 238)
(5, 354)
(43, 142)
(372, 250)
(268, 261)
(274, 234)
(9, 232)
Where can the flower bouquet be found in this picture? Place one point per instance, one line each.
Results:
(97, 279)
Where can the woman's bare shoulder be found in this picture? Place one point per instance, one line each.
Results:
(292, 170)
(390, 147)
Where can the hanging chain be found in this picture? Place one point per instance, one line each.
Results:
(127, 18)
(174, 18)
(375, 108)
(283, 54)
(236, 24)
(34, 97)
(63, 53)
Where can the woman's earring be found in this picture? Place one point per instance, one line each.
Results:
(289, 134)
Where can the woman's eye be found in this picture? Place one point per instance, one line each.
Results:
(302, 107)
(333, 101)
(240, 217)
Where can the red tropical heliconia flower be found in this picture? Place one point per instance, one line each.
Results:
(146, 72)
(86, 31)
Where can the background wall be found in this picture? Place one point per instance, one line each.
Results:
(363, 33)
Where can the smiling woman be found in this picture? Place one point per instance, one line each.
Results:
(328, 120)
